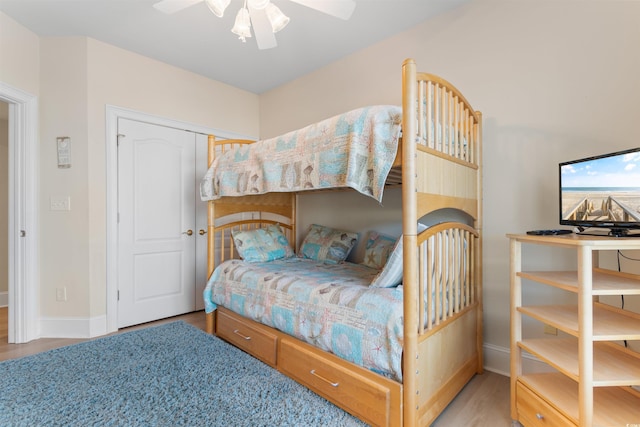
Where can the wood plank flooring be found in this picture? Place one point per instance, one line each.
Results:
(484, 402)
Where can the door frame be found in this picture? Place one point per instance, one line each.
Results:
(113, 113)
(23, 233)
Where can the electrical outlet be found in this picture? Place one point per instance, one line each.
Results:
(550, 330)
(61, 294)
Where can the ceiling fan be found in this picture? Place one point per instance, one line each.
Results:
(265, 17)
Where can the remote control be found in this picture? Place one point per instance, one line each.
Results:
(555, 232)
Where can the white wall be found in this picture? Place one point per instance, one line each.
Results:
(555, 80)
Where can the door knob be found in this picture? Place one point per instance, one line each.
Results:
(202, 232)
(188, 232)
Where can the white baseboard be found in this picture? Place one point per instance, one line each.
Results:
(4, 299)
(73, 327)
(496, 359)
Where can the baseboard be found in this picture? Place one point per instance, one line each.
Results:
(4, 299)
(497, 359)
(73, 327)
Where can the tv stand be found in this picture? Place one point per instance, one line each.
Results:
(590, 383)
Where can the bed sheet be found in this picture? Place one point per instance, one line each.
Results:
(355, 149)
(329, 306)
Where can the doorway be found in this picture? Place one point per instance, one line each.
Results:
(4, 221)
(22, 229)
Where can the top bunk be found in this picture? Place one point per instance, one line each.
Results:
(431, 145)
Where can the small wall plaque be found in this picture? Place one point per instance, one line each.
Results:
(64, 152)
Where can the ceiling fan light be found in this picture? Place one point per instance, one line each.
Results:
(218, 6)
(242, 26)
(258, 4)
(277, 19)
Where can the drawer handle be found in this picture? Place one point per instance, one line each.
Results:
(332, 384)
(237, 332)
(539, 416)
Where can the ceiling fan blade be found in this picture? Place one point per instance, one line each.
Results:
(342, 9)
(173, 6)
(262, 29)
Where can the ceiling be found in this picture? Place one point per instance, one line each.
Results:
(196, 40)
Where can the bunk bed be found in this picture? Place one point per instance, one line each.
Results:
(436, 318)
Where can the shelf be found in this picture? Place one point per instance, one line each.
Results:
(605, 282)
(609, 323)
(613, 364)
(612, 406)
(597, 243)
(595, 380)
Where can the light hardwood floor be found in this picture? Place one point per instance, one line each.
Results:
(484, 402)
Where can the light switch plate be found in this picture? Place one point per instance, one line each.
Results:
(60, 203)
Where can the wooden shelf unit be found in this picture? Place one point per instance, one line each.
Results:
(592, 385)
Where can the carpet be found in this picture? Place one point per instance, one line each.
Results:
(169, 375)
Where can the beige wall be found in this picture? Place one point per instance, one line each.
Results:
(124, 79)
(75, 78)
(4, 211)
(64, 255)
(79, 77)
(555, 81)
(19, 56)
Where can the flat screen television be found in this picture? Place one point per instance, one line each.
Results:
(601, 194)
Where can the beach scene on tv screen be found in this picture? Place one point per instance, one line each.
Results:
(605, 189)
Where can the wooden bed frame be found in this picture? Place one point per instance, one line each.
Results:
(439, 356)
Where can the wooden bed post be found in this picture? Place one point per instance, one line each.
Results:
(210, 210)
(210, 318)
(409, 241)
(479, 225)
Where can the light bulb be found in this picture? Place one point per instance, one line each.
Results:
(217, 6)
(277, 19)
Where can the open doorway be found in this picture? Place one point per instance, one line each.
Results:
(21, 206)
(4, 222)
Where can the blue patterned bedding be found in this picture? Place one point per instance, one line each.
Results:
(355, 149)
(330, 306)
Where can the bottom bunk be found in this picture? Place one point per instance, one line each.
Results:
(366, 395)
(342, 337)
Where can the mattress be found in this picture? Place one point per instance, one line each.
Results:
(330, 306)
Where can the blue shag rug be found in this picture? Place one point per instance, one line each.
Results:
(169, 375)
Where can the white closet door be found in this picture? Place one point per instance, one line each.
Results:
(156, 230)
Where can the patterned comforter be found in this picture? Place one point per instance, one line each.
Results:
(354, 149)
(328, 306)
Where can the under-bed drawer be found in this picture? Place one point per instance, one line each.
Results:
(251, 338)
(370, 397)
(535, 412)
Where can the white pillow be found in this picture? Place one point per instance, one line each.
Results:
(391, 274)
